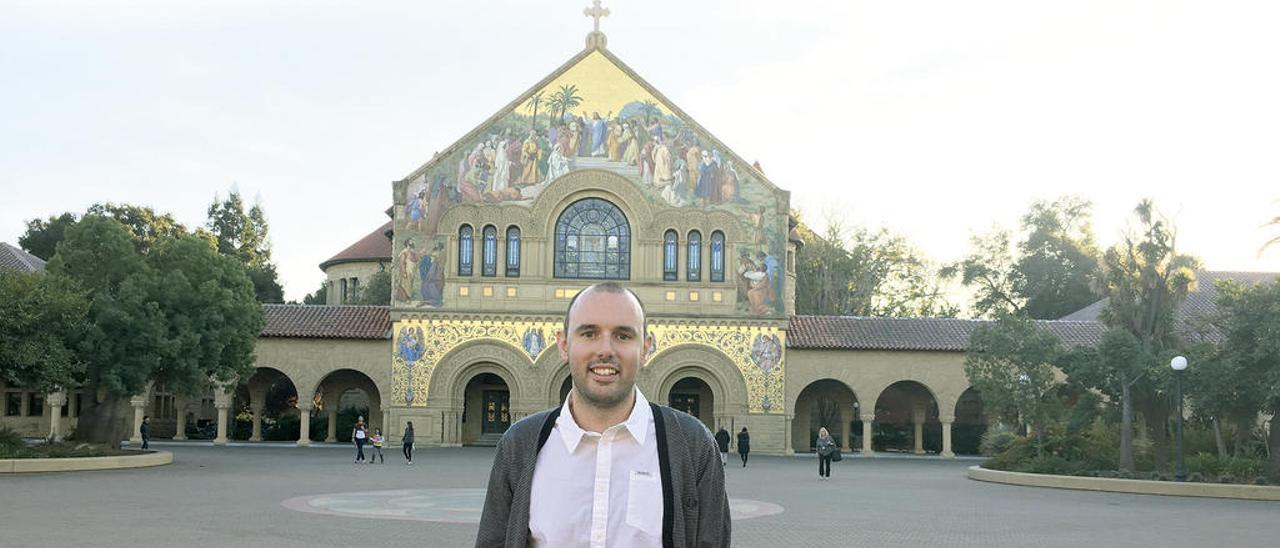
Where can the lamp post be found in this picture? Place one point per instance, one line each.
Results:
(1179, 364)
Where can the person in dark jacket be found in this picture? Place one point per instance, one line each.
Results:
(407, 442)
(722, 442)
(744, 445)
(145, 431)
(826, 446)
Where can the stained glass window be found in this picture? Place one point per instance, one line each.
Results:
(693, 270)
(489, 261)
(593, 240)
(670, 248)
(513, 251)
(717, 256)
(466, 247)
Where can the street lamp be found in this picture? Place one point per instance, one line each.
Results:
(1179, 364)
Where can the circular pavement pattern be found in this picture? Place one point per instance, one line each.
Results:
(446, 505)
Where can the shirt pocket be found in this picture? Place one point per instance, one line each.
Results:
(644, 503)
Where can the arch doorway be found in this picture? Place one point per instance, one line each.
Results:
(907, 420)
(342, 397)
(486, 410)
(266, 407)
(970, 425)
(828, 403)
(693, 396)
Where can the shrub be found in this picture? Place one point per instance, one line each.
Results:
(12, 446)
(1226, 478)
(1196, 477)
(997, 440)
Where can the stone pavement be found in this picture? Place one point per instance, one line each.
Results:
(285, 497)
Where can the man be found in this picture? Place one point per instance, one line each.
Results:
(722, 443)
(144, 430)
(607, 468)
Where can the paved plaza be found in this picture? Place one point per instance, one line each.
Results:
(284, 497)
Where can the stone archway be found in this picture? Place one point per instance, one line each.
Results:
(459, 383)
(270, 396)
(728, 390)
(694, 396)
(907, 419)
(830, 403)
(342, 396)
(970, 423)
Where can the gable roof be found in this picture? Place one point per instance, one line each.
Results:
(326, 321)
(12, 258)
(592, 47)
(1199, 305)
(919, 334)
(374, 247)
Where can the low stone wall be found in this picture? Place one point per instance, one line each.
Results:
(1140, 487)
(141, 460)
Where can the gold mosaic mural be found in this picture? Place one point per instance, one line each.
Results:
(419, 345)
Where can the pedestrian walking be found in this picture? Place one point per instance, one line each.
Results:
(145, 431)
(359, 435)
(722, 443)
(407, 442)
(376, 453)
(826, 447)
(744, 445)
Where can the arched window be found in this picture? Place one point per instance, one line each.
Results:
(670, 248)
(717, 256)
(466, 250)
(513, 251)
(593, 240)
(489, 264)
(693, 270)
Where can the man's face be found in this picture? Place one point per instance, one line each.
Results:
(604, 346)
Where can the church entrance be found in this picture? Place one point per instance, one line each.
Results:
(693, 396)
(486, 410)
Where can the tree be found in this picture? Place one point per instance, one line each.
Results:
(1113, 368)
(244, 235)
(1145, 280)
(1047, 274)
(564, 99)
(377, 291)
(321, 296)
(180, 315)
(39, 318)
(989, 270)
(1250, 320)
(534, 102)
(147, 225)
(650, 110)
(865, 273)
(1058, 258)
(1011, 364)
(42, 236)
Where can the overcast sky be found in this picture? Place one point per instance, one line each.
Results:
(936, 119)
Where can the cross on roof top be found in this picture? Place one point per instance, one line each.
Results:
(596, 12)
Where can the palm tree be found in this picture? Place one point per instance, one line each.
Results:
(569, 98)
(533, 104)
(1276, 240)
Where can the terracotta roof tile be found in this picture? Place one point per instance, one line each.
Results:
(936, 334)
(326, 322)
(375, 246)
(12, 258)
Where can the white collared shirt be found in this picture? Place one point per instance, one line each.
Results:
(595, 490)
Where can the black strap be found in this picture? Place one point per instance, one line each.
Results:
(547, 425)
(664, 465)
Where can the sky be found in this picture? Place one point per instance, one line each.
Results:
(934, 118)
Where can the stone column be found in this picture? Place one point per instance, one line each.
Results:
(139, 404)
(257, 406)
(55, 399)
(180, 404)
(331, 406)
(946, 437)
(386, 424)
(72, 409)
(844, 434)
(917, 419)
(304, 424)
(222, 401)
(26, 403)
(867, 421)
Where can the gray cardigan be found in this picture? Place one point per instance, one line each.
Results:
(695, 506)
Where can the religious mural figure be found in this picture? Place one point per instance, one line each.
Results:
(431, 270)
(533, 342)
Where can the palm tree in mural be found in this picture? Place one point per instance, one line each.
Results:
(533, 104)
(564, 99)
(650, 110)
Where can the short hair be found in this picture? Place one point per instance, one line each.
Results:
(609, 287)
